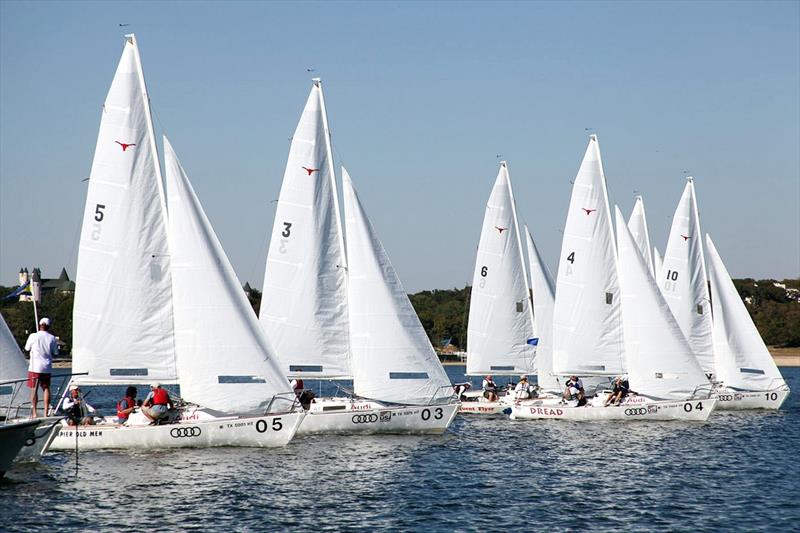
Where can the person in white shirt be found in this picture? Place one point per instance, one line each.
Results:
(489, 389)
(42, 346)
(76, 408)
(521, 391)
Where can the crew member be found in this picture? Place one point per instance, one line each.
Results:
(126, 405)
(157, 404)
(43, 346)
(489, 389)
(76, 408)
(619, 390)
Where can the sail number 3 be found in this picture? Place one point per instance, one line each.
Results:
(287, 231)
(99, 215)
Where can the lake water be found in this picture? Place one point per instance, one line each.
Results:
(737, 472)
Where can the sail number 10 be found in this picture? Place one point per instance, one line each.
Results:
(99, 215)
(672, 277)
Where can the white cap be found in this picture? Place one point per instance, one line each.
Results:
(44, 321)
(155, 384)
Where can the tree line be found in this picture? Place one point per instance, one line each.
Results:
(774, 307)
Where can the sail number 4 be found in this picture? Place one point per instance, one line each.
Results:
(99, 215)
(437, 414)
(287, 231)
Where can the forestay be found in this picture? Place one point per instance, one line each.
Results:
(393, 360)
(683, 280)
(660, 361)
(637, 223)
(224, 359)
(500, 315)
(543, 303)
(304, 305)
(742, 359)
(122, 317)
(13, 365)
(587, 325)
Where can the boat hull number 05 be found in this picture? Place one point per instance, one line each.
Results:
(262, 427)
(180, 433)
(437, 414)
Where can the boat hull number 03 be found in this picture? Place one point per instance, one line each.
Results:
(437, 414)
(180, 433)
(262, 426)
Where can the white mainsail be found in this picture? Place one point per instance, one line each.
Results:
(658, 261)
(500, 315)
(661, 364)
(224, 359)
(304, 304)
(742, 359)
(587, 324)
(637, 223)
(13, 366)
(393, 360)
(122, 317)
(683, 280)
(544, 295)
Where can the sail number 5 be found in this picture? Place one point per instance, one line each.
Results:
(99, 215)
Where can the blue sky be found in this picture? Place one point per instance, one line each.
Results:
(421, 98)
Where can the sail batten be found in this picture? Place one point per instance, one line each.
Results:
(500, 315)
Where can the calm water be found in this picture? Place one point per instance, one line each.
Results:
(739, 471)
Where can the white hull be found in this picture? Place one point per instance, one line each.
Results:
(730, 400)
(638, 409)
(12, 439)
(38, 443)
(344, 416)
(256, 431)
(485, 408)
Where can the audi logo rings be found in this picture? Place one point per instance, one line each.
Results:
(365, 419)
(636, 411)
(179, 433)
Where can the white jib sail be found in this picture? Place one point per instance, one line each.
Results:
(393, 360)
(587, 324)
(683, 280)
(543, 291)
(13, 366)
(224, 359)
(122, 317)
(660, 361)
(304, 304)
(742, 359)
(638, 226)
(500, 316)
(658, 261)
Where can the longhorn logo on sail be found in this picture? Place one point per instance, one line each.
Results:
(501, 230)
(685, 237)
(124, 145)
(588, 211)
(310, 170)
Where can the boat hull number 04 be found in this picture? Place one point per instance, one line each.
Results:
(262, 426)
(437, 414)
(180, 433)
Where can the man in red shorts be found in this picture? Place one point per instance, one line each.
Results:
(43, 346)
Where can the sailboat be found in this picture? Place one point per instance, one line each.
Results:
(543, 293)
(341, 313)
(668, 380)
(637, 224)
(500, 329)
(748, 376)
(594, 335)
(683, 280)
(14, 405)
(139, 316)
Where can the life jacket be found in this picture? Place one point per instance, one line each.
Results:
(299, 385)
(130, 402)
(160, 396)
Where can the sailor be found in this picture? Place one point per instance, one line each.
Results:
(522, 390)
(76, 408)
(43, 346)
(489, 389)
(126, 405)
(619, 390)
(574, 390)
(156, 404)
(461, 389)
